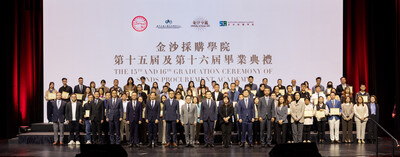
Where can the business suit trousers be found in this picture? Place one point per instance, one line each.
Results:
(360, 127)
(347, 130)
(56, 126)
(226, 132)
(371, 127)
(189, 133)
(334, 129)
(96, 131)
(280, 131)
(208, 131)
(134, 133)
(297, 131)
(266, 123)
(239, 130)
(171, 126)
(247, 127)
(197, 131)
(105, 128)
(73, 130)
(152, 129)
(124, 128)
(256, 130)
(115, 137)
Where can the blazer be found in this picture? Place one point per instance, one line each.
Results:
(208, 112)
(220, 96)
(153, 113)
(281, 114)
(78, 90)
(189, 117)
(377, 111)
(225, 111)
(337, 105)
(134, 114)
(235, 96)
(266, 110)
(297, 111)
(58, 114)
(97, 112)
(171, 111)
(68, 111)
(340, 89)
(246, 113)
(114, 111)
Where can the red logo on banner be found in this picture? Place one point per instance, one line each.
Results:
(139, 23)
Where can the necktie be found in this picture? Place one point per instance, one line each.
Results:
(245, 100)
(188, 107)
(114, 101)
(171, 101)
(80, 86)
(96, 101)
(134, 105)
(152, 104)
(333, 103)
(58, 104)
(208, 102)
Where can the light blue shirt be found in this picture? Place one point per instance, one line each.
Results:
(373, 108)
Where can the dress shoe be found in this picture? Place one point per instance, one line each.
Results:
(168, 144)
(175, 145)
(61, 143)
(55, 143)
(242, 145)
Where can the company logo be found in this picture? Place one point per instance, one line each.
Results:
(168, 25)
(236, 23)
(139, 23)
(200, 23)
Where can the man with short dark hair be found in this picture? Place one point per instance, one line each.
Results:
(58, 118)
(73, 117)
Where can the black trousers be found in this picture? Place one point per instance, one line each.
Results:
(73, 130)
(289, 134)
(104, 127)
(371, 127)
(226, 129)
(96, 130)
(321, 130)
(280, 131)
(256, 131)
(307, 130)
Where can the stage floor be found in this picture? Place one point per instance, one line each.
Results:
(385, 149)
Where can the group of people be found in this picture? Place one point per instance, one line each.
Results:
(258, 114)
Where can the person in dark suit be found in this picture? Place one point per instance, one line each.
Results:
(295, 88)
(225, 113)
(208, 115)
(106, 125)
(251, 84)
(145, 86)
(80, 88)
(340, 88)
(73, 117)
(238, 88)
(134, 118)
(96, 118)
(58, 114)
(265, 82)
(373, 112)
(152, 118)
(266, 114)
(246, 117)
(141, 93)
(188, 120)
(114, 117)
(116, 87)
(171, 117)
(217, 95)
(65, 88)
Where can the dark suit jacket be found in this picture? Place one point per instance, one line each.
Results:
(340, 89)
(248, 112)
(220, 96)
(77, 90)
(114, 111)
(68, 111)
(171, 111)
(97, 112)
(134, 114)
(146, 87)
(377, 111)
(58, 114)
(266, 110)
(153, 113)
(208, 112)
(225, 111)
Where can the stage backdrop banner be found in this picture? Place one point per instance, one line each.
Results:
(178, 41)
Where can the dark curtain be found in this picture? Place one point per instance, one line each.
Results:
(24, 65)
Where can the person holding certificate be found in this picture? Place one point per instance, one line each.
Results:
(321, 110)
(335, 109)
(308, 120)
(282, 88)
(361, 118)
(80, 88)
(86, 110)
(281, 120)
(303, 93)
(297, 111)
(116, 87)
(65, 90)
(51, 94)
(363, 93)
(347, 120)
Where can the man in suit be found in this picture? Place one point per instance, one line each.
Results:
(295, 87)
(106, 126)
(73, 117)
(144, 85)
(265, 82)
(208, 115)
(340, 88)
(58, 119)
(80, 88)
(233, 94)
(116, 87)
(238, 88)
(373, 112)
(141, 93)
(334, 120)
(246, 117)
(217, 95)
(124, 126)
(152, 117)
(133, 117)
(266, 113)
(318, 81)
(188, 120)
(96, 118)
(171, 117)
(251, 84)
(114, 117)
